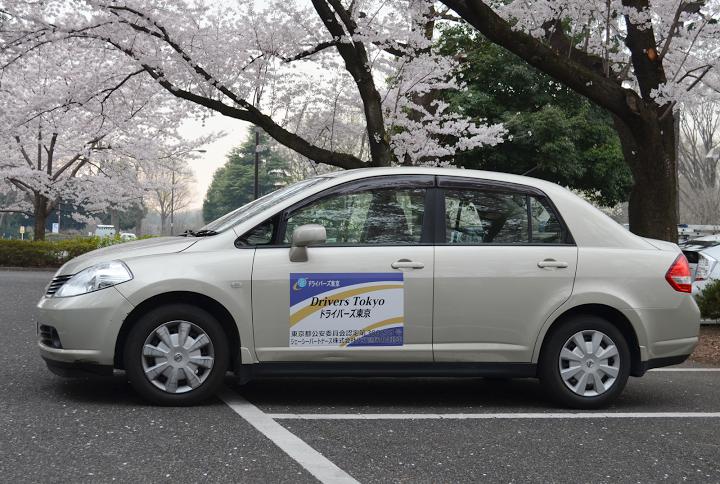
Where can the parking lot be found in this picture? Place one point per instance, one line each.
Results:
(664, 427)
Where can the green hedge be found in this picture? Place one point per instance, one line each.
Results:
(709, 301)
(45, 253)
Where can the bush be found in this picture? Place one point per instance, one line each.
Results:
(709, 301)
(44, 253)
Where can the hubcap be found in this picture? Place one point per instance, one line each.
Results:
(177, 357)
(589, 363)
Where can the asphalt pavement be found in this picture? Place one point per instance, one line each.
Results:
(666, 426)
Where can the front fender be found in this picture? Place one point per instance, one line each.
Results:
(222, 275)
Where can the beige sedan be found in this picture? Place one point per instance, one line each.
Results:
(392, 272)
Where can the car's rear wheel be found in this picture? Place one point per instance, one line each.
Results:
(176, 355)
(585, 363)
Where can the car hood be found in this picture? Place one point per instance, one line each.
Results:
(159, 245)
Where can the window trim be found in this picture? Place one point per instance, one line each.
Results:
(433, 230)
(445, 182)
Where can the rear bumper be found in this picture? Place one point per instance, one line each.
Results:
(660, 362)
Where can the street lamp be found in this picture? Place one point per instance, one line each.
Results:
(172, 194)
(257, 163)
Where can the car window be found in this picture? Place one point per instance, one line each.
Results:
(259, 235)
(382, 217)
(546, 226)
(475, 216)
(485, 217)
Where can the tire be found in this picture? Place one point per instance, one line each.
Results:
(166, 371)
(598, 360)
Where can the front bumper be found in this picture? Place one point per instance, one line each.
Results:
(72, 370)
(87, 326)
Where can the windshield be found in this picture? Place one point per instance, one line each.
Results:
(251, 209)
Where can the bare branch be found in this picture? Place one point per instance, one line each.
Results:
(24, 153)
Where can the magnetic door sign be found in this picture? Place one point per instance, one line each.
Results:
(346, 309)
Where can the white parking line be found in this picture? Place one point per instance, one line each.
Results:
(488, 416)
(310, 459)
(685, 369)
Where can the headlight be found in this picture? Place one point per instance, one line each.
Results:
(95, 278)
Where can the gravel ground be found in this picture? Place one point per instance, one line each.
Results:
(708, 351)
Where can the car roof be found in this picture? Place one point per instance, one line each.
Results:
(431, 170)
(358, 173)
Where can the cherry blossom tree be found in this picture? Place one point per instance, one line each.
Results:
(345, 84)
(170, 186)
(638, 59)
(65, 140)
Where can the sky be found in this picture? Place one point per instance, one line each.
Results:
(205, 165)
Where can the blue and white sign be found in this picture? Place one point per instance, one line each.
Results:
(346, 309)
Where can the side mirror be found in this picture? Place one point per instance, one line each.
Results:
(310, 234)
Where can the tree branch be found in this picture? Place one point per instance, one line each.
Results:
(24, 153)
(570, 71)
(311, 51)
(245, 111)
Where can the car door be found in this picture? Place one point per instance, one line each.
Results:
(503, 263)
(366, 293)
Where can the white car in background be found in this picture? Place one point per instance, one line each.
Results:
(692, 248)
(708, 269)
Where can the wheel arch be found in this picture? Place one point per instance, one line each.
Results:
(610, 314)
(217, 310)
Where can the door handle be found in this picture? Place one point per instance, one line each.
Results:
(407, 264)
(552, 263)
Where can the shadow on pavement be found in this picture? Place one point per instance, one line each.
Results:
(402, 394)
(393, 395)
(111, 391)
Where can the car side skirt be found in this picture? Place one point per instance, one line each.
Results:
(380, 369)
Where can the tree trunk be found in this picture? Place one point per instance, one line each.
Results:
(115, 219)
(649, 149)
(40, 214)
(139, 219)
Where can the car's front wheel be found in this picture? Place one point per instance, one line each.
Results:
(585, 363)
(176, 355)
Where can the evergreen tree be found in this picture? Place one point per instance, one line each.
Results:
(233, 183)
(554, 133)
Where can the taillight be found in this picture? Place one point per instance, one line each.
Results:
(679, 275)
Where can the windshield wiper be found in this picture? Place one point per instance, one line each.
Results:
(199, 233)
(204, 233)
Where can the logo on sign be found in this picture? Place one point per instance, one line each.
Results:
(301, 283)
